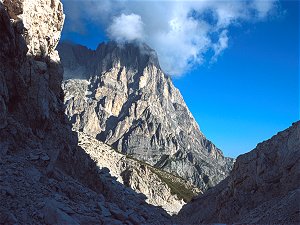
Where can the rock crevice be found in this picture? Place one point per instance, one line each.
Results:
(124, 99)
(45, 177)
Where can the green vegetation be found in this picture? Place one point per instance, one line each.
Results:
(177, 186)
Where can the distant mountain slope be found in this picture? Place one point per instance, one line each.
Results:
(125, 100)
(160, 188)
(263, 187)
(130, 104)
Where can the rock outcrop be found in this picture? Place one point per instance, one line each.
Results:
(123, 98)
(159, 187)
(263, 187)
(45, 177)
(30, 71)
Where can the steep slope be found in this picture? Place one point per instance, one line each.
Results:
(130, 104)
(139, 176)
(45, 177)
(263, 187)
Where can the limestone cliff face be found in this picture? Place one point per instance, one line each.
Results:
(124, 99)
(30, 73)
(263, 187)
(45, 177)
(160, 188)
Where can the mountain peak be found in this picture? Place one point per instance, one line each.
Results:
(133, 46)
(129, 53)
(81, 62)
(134, 107)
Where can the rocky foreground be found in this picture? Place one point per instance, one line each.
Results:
(45, 177)
(119, 95)
(263, 187)
(51, 175)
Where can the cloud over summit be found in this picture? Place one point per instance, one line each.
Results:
(181, 32)
(126, 28)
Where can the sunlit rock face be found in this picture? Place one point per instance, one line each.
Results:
(160, 188)
(123, 98)
(263, 187)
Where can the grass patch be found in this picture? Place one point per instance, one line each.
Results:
(177, 186)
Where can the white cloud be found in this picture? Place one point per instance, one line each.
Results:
(181, 32)
(220, 45)
(126, 28)
(263, 7)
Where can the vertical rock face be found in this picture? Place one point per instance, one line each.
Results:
(30, 72)
(45, 177)
(123, 98)
(263, 187)
(42, 23)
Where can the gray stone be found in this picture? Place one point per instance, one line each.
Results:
(101, 198)
(33, 173)
(111, 221)
(8, 190)
(263, 187)
(128, 222)
(3, 149)
(45, 157)
(12, 219)
(124, 99)
(138, 176)
(41, 67)
(53, 214)
(117, 212)
(32, 117)
(3, 113)
(104, 211)
(33, 157)
(136, 219)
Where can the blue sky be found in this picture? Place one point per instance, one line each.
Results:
(249, 93)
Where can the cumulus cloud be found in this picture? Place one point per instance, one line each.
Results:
(182, 32)
(126, 28)
(220, 45)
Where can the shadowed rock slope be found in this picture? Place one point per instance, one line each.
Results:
(45, 177)
(263, 187)
(124, 99)
(160, 188)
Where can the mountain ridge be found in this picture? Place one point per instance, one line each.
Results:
(77, 49)
(51, 175)
(262, 188)
(134, 107)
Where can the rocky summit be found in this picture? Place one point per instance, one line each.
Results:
(119, 94)
(263, 187)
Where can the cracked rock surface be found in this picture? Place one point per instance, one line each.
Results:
(45, 177)
(120, 95)
(263, 187)
(159, 187)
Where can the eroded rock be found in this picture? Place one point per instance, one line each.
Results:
(263, 187)
(124, 99)
(160, 188)
(46, 178)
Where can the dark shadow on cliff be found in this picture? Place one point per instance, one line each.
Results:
(32, 116)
